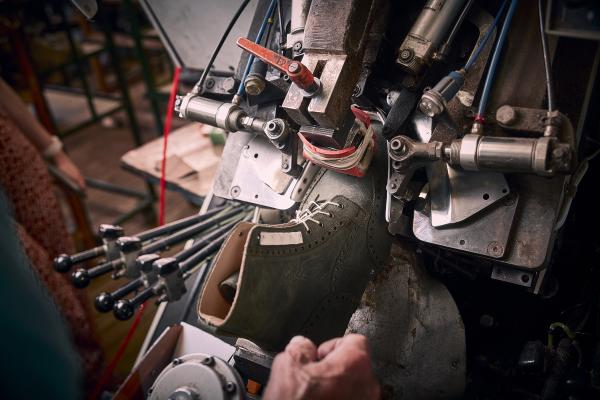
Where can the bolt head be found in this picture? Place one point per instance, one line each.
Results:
(506, 115)
(230, 387)
(294, 67)
(254, 85)
(210, 360)
(297, 46)
(229, 85)
(210, 83)
(406, 55)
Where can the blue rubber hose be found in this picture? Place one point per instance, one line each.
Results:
(486, 38)
(489, 79)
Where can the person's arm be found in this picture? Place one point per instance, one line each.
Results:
(45, 143)
(339, 369)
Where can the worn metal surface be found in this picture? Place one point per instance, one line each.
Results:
(512, 275)
(458, 195)
(335, 38)
(486, 234)
(415, 331)
(255, 179)
(197, 376)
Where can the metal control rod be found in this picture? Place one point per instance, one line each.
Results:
(188, 233)
(82, 277)
(64, 262)
(171, 227)
(105, 302)
(207, 250)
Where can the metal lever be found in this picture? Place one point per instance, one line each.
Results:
(298, 72)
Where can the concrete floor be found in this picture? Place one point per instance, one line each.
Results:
(97, 151)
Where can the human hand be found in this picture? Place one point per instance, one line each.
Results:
(339, 369)
(65, 165)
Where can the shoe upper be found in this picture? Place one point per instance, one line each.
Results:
(306, 276)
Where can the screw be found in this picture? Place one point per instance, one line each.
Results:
(210, 360)
(230, 387)
(454, 364)
(495, 249)
(406, 55)
(297, 46)
(210, 83)
(525, 278)
(294, 67)
(285, 166)
(177, 361)
(235, 191)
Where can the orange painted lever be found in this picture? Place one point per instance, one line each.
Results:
(297, 71)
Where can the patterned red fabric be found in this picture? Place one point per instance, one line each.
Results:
(43, 233)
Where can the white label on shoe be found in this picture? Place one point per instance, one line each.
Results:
(280, 238)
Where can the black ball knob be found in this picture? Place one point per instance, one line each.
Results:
(63, 263)
(123, 310)
(104, 302)
(80, 278)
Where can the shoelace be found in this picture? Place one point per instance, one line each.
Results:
(349, 161)
(314, 208)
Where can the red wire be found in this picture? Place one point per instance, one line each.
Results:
(110, 369)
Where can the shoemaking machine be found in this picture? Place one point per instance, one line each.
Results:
(472, 123)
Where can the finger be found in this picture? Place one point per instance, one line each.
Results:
(301, 350)
(349, 352)
(328, 346)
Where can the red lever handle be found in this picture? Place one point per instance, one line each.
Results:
(297, 71)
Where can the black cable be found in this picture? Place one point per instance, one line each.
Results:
(200, 83)
(547, 66)
(281, 27)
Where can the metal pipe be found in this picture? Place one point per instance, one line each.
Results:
(427, 33)
(203, 241)
(177, 225)
(189, 232)
(298, 17)
(445, 48)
